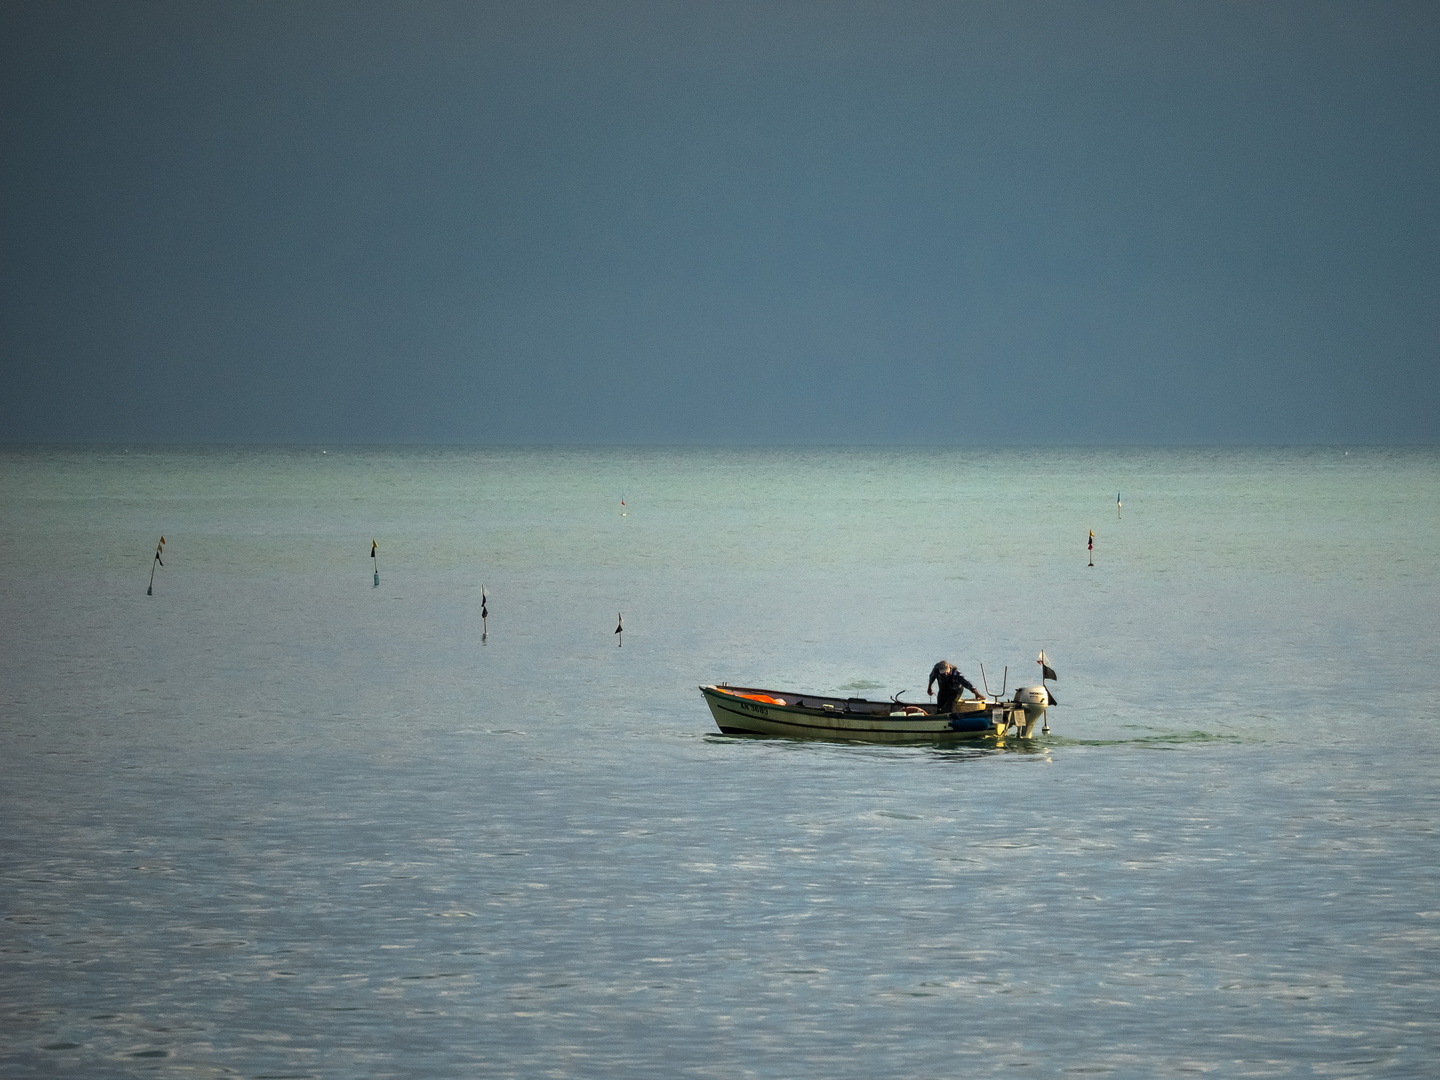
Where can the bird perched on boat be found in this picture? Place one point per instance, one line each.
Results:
(952, 685)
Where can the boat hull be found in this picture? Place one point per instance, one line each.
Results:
(737, 712)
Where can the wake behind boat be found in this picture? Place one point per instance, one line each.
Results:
(742, 710)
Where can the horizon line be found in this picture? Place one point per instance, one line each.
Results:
(419, 444)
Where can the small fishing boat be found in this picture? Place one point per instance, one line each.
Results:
(743, 710)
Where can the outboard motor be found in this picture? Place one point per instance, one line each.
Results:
(1035, 700)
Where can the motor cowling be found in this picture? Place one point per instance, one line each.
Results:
(1032, 695)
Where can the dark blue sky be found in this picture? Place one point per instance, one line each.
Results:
(731, 222)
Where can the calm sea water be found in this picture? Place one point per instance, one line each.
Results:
(276, 821)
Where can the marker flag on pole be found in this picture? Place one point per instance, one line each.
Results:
(484, 611)
(373, 546)
(620, 629)
(1092, 540)
(150, 589)
(1047, 672)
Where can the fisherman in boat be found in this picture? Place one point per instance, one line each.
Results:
(952, 686)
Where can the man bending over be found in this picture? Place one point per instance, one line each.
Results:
(952, 686)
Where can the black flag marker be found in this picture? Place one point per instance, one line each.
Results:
(373, 547)
(1047, 672)
(484, 615)
(150, 589)
(620, 629)
(1092, 547)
